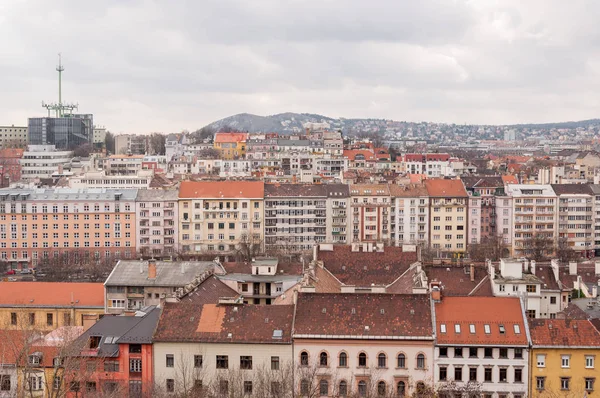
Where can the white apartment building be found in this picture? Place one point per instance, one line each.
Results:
(122, 164)
(410, 214)
(596, 192)
(42, 161)
(13, 136)
(576, 217)
(535, 210)
(474, 227)
(99, 136)
(99, 179)
(338, 212)
(157, 226)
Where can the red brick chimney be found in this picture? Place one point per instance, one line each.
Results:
(152, 269)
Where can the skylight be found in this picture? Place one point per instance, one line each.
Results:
(517, 329)
(278, 334)
(487, 329)
(472, 328)
(443, 328)
(457, 328)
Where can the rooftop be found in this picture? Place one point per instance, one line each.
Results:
(222, 189)
(230, 137)
(295, 190)
(572, 189)
(456, 281)
(570, 333)
(157, 195)
(51, 294)
(168, 273)
(445, 188)
(83, 194)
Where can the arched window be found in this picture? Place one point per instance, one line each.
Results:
(323, 388)
(381, 388)
(323, 359)
(304, 387)
(362, 388)
(343, 359)
(420, 389)
(401, 388)
(304, 358)
(362, 359)
(401, 361)
(343, 389)
(420, 361)
(381, 360)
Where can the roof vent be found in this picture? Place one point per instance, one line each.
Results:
(324, 310)
(365, 267)
(382, 311)
(229, 335)
(367, 328)
(266, 320)
(231, 319)
(235, 309)
(412, 312)
(353, 310)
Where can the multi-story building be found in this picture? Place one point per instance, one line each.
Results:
(157, 226)
(505, 220)
(338, 202)
(295, 217)
(133, 285)
(99, 137)
(131, 144)
(42, 161)
(46, 306)
(122, 165)
(333, 143)
(563, 357)
(223, 345)
(221, 216)
(13, 136)
(65, 133)
(484, 191)
(596, 200)
(430, 164)
(99, 179)
(369, 344)
(477, 345)
(576, 217)
(370, 212)
(39, 224)
(535, 211)
(448, 218)
(10, 166)
(231, 145)
(410, 214)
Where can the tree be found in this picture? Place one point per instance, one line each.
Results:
(564, 252)
(209, 153)
(538, 247)
(250, 246)
(83, 150)
(492, 248)
(199, 136)
(157, 143)
(109, 142)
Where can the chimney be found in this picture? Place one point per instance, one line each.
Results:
(436, 291)
(597, 266)
(152, 269)
(315, 251)
(472, 272)
(526, 266)
(533, 267)
(572, 267)
(594, 291)
(183, 267)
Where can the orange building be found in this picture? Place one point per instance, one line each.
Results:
(231, 145)
(41, 225)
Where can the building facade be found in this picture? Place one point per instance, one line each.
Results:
(13, 136)
(370, 213)
(65, 133)
(157, 222)
(43, 161)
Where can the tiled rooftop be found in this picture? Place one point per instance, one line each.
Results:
(564, 332)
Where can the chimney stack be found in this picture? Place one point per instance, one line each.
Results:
(152, 269)
(436, 291)
(472, 272)
(572, 267)
(533, 267)
(597, 266)
(182, 267)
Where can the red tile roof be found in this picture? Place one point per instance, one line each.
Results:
(510, 179)
(221, 189)
(352, 153)
(456, 281)
(466, 311)
(364, 268)
(445, 188)
(563, 332)
(363, 315)
(231, 137)
(427, 157)
(51, 294)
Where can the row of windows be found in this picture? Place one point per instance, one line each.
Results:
(488, 352)
(487, 374)
(362, 388)
(382, 360)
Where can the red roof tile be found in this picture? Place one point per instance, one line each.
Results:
(221, 189)
(51, 294)
(466, 311)
(456, 281)
(352, 153)
(231, 137)
(445, 188)
(349, 314)
(564, 332)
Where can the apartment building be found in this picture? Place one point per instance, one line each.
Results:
(370, 213)
(338, 202)
(157, 226)
(42, 161)
(231, 145)
(576, 217)
(221, 216)
(13, 136)
(122, 165)
(484, 190)
(430, 164)
(535, 209)
(477, 345)
(131, 143)
(505, 220)
(448, 218)
(99, 179)
(410, 214)
(363, 344)
(596, 199)
(39, 224)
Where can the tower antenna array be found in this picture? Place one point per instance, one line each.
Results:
(60, 109)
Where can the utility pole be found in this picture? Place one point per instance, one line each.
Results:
(60, 69)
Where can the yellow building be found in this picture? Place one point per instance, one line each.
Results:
(45, 306)
(563, 357)
(231, 145)
(448, 216)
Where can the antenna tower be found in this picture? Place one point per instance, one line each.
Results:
(60, 109)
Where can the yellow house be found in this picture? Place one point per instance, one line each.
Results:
(231, 145)
(563, 358)
(45, 306)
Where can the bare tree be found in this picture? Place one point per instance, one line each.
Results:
(564, 252)
(492, 248)
(249, 247)
(539, 247)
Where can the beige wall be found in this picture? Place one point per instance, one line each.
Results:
(451, 213)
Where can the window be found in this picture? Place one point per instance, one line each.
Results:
(381, 388)
(362, 359)
(401, 361)
(443, 328)
(49, 319)
(323, 359)
(457, 373)
(304, 387)
(90, 386)
(565, 361)
(246, 362)
(111, 366)
(343, 388)
(222, 362)
(553, 300)
(420, 361)
(531, 288)
(362, 388)
(198, 361)
(135, 348)
(501, 329)
(381, 360)
(518, 353)
(541, 360)
(135, 365)
(443, 351)
(5, 383)
(589, 361)
(170, 385)
(473, 352)
(486, 329)
(472, 374)
(304, 358)
(401, 388)
(504, 353)
(458, 352)
(56, 382)
(488, 352)
(565, 383)
(275, 388)
(170, 361)
(32, 318)
(540, 383)
(248, 387)
(323, 388)
(589, 383)
(443, 373)
(503, 377)
(343, 360)
(487, 375)
(13, 318)
(517, 329)
(224, 387)
(518, 375)
(472, 328)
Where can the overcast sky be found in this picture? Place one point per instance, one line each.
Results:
(142, 66)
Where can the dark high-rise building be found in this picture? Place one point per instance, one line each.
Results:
(66, 132)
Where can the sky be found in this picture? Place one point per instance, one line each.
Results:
(146, 66)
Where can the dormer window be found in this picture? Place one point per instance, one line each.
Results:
(457, 328)
(443, 328)
(472, 328)
(487, 329)
(502, 329)
(34, 359)
(94, 342)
